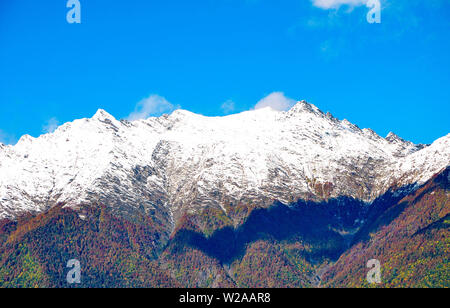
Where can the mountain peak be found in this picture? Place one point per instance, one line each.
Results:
(25, 139)
(304, 106)
(394, 138)
(102, 115)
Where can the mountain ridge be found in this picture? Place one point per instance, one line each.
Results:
(183, 162)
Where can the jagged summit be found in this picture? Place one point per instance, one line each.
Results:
(391, 137)
(26, 139)
(304, 106)
(182, 162)
(102, 115)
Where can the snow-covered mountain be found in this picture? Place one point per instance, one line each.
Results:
(181, 162)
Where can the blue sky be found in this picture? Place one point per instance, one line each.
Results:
(214, 57)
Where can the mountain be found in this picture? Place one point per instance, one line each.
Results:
(183, 161)
(212, 201)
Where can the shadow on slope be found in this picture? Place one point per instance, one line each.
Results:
(329, 227)
(410, 239)
(387, 208)
(320, 225)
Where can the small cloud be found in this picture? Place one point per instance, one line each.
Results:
(2, 137)
(154, 105)
(50, 126)
(335, 4)
(277, 101)
(228, 107)
(6, 138)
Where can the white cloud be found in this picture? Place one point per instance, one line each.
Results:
(228, 107)
(277, 101)
(154, 105)
(50, 126)
(2, 137)
(6, 138)
(334, 4)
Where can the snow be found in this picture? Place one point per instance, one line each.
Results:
(198, 161)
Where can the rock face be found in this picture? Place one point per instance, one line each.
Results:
(183, 162)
